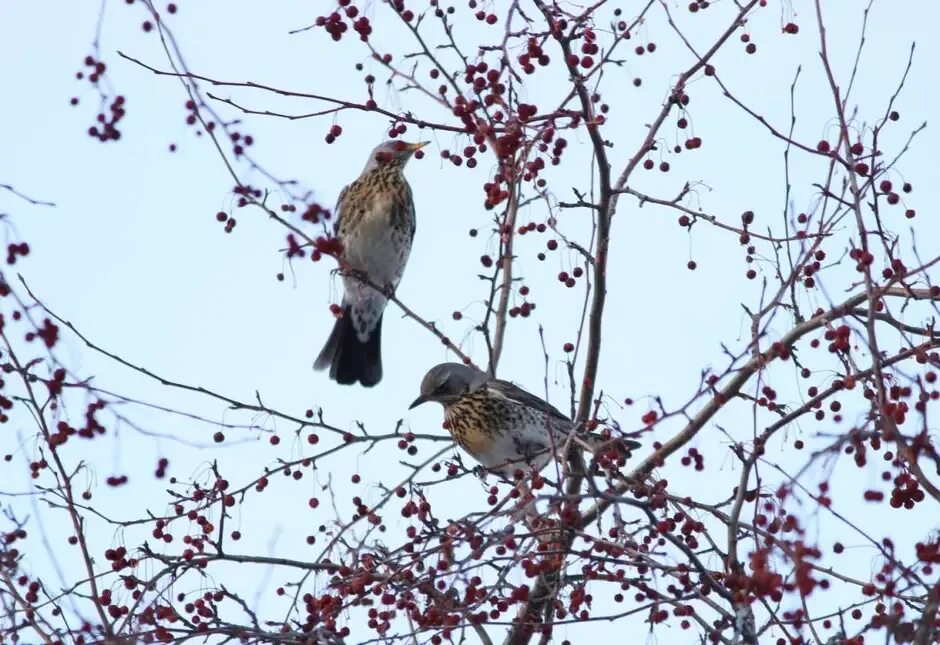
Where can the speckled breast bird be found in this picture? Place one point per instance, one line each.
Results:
(501, 425)
(375, 222)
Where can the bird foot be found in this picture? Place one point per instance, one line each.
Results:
(361, 276)
(356, 274)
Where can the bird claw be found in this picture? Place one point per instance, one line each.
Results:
(355, 274)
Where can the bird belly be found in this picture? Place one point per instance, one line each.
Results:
(378, 250)
(508, 452)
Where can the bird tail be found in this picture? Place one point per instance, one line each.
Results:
(349, 359)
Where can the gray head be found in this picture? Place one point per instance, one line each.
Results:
(393, 152)
(447, 382)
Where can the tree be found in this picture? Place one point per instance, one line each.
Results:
(698, 225)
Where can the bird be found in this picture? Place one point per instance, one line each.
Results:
(503, 427)
(375, 225)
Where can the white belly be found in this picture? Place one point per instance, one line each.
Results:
(379, 251)
(505, 456)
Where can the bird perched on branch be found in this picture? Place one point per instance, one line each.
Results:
(375, 223)
(501, 425)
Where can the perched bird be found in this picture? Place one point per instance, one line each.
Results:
(501, 425)
(375, 223)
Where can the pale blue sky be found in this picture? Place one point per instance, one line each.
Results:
(133, 256)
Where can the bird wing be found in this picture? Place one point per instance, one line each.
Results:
(517, 394)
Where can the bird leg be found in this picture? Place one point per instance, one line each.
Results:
(356, 274)
(541, 527)
(525, 507)
(387, 290)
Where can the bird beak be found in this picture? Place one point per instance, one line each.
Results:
(421, 399)
(417, 146)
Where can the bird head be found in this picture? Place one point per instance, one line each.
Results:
(392, 153)
(447, 382)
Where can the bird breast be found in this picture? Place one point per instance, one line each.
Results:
(377, 229)
(500, 434)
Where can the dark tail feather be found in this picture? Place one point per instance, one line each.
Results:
(349, 359)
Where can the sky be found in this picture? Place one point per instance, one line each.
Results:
(133, 256)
